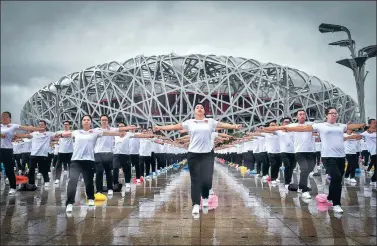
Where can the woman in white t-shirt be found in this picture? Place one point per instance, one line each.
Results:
(370, 141)
(199, 156)
(7, 132)
(83, 159)
(332, 152)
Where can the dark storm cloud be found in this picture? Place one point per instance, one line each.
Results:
(43, 41)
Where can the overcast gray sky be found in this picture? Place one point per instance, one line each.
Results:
(43, 41)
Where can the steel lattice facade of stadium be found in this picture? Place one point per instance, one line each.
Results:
(163, 90)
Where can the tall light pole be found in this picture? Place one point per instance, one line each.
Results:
(57, 106)
(356, 63)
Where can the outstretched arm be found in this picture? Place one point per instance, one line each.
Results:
(31, 128)
(222, 125)
(299, 129)
(355, 126)
(168, 127)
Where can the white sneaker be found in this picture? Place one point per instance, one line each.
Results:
(90, 202)
(264, 179)
(47, 184)
(211, 193)
(286, 187)
(57, 181)
(306, 195)
(39, 176)
(12, 191)
(347, 179)
(128, 185)
(6, 181)
(353, 180)
(154, 174)
(69, 208)
(195, 209)
(49, 173)
(19, 172)
(299, 190)
(311, 174)
(110, 192)
(338, 209)
(373, 183)
(205, 202)
(329, 202)
(65, 172)
(138, 181)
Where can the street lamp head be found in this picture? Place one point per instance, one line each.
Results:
(369, 51)
(343, 43)
(324, 28)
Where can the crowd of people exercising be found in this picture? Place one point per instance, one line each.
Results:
(90, 153)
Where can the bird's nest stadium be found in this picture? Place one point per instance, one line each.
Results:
(163, 89)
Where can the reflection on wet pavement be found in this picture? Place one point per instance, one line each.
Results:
(159, 212)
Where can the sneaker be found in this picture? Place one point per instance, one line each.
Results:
(12, 191)
(211, 193)
(65, 172)
(19, 172)
(329, 202)
(373, 183)
(6, 181)
(195, 209)
(128, 185)
(39, 176)
(57, 181)
(286, 186)
(47, 184)
(353, 180)
(274, 183)
(138, 181)
(110, 192)
(69, 208)
(306, 195)
(205, 202)
(299, 190)
(347, 179)
(90, 202)
(338, 209)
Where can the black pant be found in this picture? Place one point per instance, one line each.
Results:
(365, 154)
(25, 160)
(43, 167)
(264, 162)
(6, 157)
(370, 164)
(17, 159)
(104, 162)
(238, 159)
(374, 163)
(258, 162)
(86, 168)
(275, 160)
(306, 160)
(135, 163)
(289, 162)
(335, 168)
(201, 170)
(64, 159)
(351, 166)
(318, 157)
(145, 164)
(123, 161)
(249, 160)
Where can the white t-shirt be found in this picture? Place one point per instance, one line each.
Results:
(214, 135)
(272, 143)
(318, 146)
(9, 131)
(262, 144)
(26, 147)
(122, 144)
(134, 146)
(200, 134)
(255, 145)
(239, 148)
(65, 144)
(105, 144)
(363, 145)
(40, 143)
(145, 148)
(370, 140)
(248, 146)
(332, 137)
(85, 141)
(286, 141)
(56, 149)
(16, 148)
(350, 145)
(303, 141)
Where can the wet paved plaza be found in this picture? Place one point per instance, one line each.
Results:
(159, 212)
